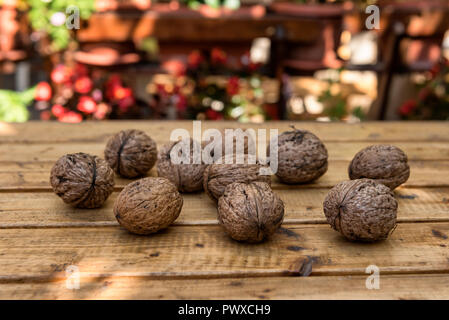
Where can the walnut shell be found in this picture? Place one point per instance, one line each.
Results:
(131, 153)
(384, 163)
(148, 205)
(82, 180)
(186, 177)
(218, 175)
(361, 209)
(302, 157)
(250, 212)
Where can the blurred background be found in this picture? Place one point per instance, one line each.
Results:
(243, 60)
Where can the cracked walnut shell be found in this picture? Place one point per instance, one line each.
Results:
(250, 212)
(220, 174)
(82, 180)
(302, 157)
(131, 153)
(187, 177)
(361, 209)
(386, 164)
(148, 205)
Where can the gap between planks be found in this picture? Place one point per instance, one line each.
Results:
(41, 210)
(423, 174)
(99, 131)
(206, 252)
(413, 286)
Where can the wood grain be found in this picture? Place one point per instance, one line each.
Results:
(206, 251)
(92, 131)
(40, 236)
(35, 176)
(48, 153)
(422, 286)
(32, 210)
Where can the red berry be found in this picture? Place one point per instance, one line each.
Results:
(125, 103)
(43, 91)
(102, 110)
(58, 110)
(71, 117)
(218, 56)
(194, 59)
(45, 115)
(60, 74)
(87, 105)
(80, 70)
(213, 115)
(83, 85)
(407, 107)
(232, 87)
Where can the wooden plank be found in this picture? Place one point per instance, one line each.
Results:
(206, 251)
(187, 25)
(422, 286)
(18, 176)
(90, 131)
(32, 210)
(49, 152)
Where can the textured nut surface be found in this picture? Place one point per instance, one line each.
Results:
(218, 175)
(148, 205)
(302, 157)
(186, 177)
(82, 180)
(361, 209)
(250, 212)
(386, 164)
(131, 153)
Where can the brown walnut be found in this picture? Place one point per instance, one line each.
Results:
(384, 163)
(361, 209)
(186, 177)
(302, 157)
(131, 153)
(218, 175)
(82, 180)
(250, 212)
(148, 205)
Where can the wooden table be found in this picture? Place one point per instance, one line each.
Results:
(40, 236)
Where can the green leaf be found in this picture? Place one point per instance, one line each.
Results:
(232, 4)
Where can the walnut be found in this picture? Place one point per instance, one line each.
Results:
(302, 157)
(82, 180)
(250, 212)
(148, 205)
(361, 209)
(219, 174)
(131, 153)
(384, 163)
(186, 177)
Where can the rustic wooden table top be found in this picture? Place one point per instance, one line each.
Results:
(40, 236)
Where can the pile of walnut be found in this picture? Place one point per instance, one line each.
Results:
(363, 208)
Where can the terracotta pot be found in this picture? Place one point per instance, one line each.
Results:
(11, 44)
(111, 5)
(107, 54)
